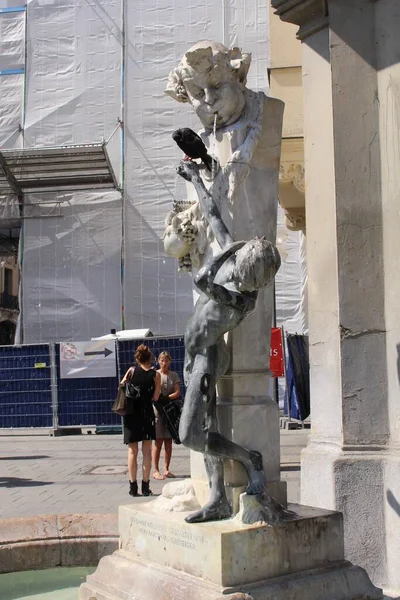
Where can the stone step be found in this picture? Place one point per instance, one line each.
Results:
(121, 577)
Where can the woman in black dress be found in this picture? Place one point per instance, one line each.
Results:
(139, 426)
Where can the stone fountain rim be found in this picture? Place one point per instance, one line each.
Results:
(56, 540)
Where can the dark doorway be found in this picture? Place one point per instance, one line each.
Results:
(7, 333)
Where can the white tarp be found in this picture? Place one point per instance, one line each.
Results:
(87, 359)
(12, 61)
(11, 96)
(126, 334)
(156, 296)
(71, 268)
(73, 79)
(288, 281)
(12, 40)
(13, 4)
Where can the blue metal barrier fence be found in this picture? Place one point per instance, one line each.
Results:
(25, 386)
(33, 394)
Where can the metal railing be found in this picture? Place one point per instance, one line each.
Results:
(8, 301)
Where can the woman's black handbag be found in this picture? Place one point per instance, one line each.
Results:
(120, 406)
(170, 412)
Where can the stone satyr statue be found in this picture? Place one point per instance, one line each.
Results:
(212, 78)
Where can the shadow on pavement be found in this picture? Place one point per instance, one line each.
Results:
(11, 482)
(28, 457)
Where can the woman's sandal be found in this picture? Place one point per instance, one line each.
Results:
(169, 475)
(157, 475)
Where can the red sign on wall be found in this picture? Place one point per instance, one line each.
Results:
(277, 365)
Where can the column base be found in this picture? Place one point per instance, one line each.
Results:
(363, 483)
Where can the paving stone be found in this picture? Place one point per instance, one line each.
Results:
(41, 474)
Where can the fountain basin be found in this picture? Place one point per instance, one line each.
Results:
(44, 542)
(61, 583)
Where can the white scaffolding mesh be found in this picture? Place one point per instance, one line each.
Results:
(288, 280)
(156, 296)
(71, 268)
(12, 62)
(74, 71)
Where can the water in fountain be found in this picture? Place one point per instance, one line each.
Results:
(50, 584)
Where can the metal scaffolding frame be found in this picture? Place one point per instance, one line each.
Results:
(58, 169)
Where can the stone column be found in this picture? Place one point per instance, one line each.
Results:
(351, 82)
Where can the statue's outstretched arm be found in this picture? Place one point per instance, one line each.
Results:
(190, 172)
(204, 280)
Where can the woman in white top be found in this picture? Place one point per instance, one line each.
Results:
(170, 388)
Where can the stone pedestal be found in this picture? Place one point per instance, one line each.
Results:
(351, 82)
(161, 556)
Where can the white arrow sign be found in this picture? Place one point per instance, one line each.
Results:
(87, 359)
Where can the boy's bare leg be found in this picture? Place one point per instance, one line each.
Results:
(217, 507)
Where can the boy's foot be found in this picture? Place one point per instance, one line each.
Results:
(212, 511)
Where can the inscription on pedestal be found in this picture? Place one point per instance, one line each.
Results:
(167, 533)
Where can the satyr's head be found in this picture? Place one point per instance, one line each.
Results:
(212, 78)
(257, 263)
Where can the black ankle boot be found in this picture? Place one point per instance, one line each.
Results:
(133, 488)
(146, 491)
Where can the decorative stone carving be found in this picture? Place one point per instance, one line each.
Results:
(310, 15)
(295, 221)
(187, 234)
(295, 216)
(292, 184)
(293, 173)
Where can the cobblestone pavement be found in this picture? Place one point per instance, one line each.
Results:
(42, 475)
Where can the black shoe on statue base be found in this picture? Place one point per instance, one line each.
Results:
(146, 491)
(133, 488)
